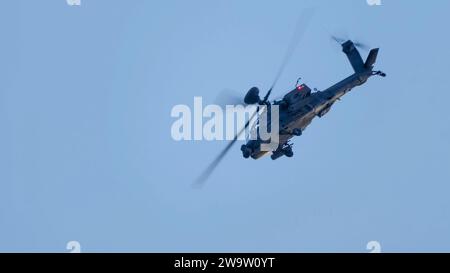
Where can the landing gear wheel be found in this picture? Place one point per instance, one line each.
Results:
(288, 152)
(246, 152)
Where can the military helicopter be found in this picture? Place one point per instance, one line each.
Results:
(300, 106)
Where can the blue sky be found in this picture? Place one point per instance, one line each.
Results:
(86, 152)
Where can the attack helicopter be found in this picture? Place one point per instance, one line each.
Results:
(300, 106)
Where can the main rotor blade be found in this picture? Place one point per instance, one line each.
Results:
(300, 29)
(302, 24)
(209, 170)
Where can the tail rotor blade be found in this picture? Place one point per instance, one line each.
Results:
(362, 46)
(338, 40)
(358, 44)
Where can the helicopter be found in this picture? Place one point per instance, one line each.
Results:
(300, 106)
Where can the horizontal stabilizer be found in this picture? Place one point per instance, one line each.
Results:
(372, 58)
